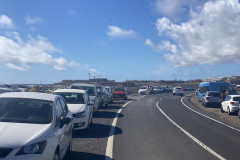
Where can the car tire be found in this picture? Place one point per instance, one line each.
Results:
(222, 109)
(205, 104)
(228, 111)
(56, 155)
(89, 125)
(236, 113)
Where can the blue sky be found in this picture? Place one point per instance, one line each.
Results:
(49, 41)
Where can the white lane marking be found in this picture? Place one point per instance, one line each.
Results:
(109, 148)
(209, 117)
(191, 136)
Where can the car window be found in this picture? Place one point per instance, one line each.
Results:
(89, 89)
(214, 94)
(236, 99)
(72, 98)
(64, 105)
(59, 109)
(24, 110)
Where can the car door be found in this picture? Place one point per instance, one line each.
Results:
(64, 132)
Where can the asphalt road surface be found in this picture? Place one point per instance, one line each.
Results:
(143, 132)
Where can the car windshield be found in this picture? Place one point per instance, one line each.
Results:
(119, 89)
(90, 90)
(213, 94)
(72, 98)
(144, 87)
(24, 110)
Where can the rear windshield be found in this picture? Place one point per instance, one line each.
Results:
(178, 88)
(214, 94)
(236, 99)
(119, 89)
(72, 98)
(90, 90)
(24, 110)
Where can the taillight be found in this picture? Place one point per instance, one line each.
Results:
(232, 102)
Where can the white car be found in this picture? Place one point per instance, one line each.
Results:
(178, 91)
(142, 90)
(34, 126)
(92, 92)
(79, 104)
(231, 104)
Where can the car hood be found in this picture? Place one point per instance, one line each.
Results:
(14, 135)
(76, 108)
(119, 92)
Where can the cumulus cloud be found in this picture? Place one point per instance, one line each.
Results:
(211, 36)
(115, 31)
(175, 9)
(6, 22)
(95, 73)
(21, 54)
(30, 20)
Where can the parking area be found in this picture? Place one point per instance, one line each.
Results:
(92, 144)
(216, 111)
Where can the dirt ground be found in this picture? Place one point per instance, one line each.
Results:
(216, 111)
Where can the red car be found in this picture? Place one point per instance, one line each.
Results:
(119, 93)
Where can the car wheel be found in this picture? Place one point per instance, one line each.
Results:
(236, 113)
(56, 156)
(205, 104)
(228, 111)
(222, 109)
(89, 125)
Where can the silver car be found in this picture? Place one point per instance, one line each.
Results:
(211, 98)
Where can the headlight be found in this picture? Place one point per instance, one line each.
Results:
(36, 148)
(80, 114)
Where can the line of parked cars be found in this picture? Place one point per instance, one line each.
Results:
(219, 94)
(36, 125)
(150, 89)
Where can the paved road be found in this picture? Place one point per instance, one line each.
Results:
(144, 133)
(148, 134)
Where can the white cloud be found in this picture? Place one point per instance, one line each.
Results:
(211, 36)
(115, 31)
(13, 66)
(176, 9)
(34, 20)
(21, 54)
(6, 22)
(95, 73)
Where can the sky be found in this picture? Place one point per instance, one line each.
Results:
(46, 41)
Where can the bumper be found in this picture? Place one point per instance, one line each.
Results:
(80, 123)
(234, 109)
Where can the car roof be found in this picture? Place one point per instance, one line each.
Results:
(70, 90)
(32, 95)
(83, 84)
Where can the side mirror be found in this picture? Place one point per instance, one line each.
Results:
(64, 120)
